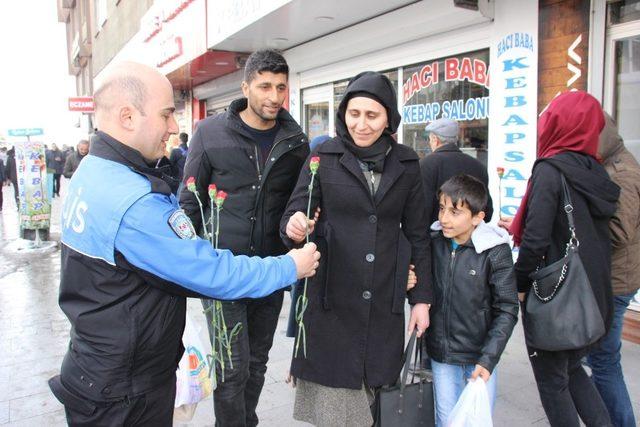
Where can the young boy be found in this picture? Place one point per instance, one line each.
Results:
(476, 304)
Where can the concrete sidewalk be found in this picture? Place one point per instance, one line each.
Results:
(34, 334)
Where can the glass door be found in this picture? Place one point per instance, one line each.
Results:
(622, 77)
(317, 111)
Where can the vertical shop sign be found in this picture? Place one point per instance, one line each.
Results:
(35, 208)
(513, 125)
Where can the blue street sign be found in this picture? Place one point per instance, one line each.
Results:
(26, 132)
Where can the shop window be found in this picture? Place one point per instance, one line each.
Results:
(622, 11)
(456, 87)
(627, 92)
(341, 86)
(316, 119)
(101, 14)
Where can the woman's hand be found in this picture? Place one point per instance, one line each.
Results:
(291, 380)
(297, 226)
(482, 373)
(419, 318)
(413, 279)
(505, 222)
(522, 296)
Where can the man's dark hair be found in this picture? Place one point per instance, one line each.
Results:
(465, 190)
(183, 137)
(265, 60)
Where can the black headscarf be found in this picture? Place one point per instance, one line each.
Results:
(375, 86)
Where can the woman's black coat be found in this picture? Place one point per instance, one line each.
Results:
(546, 230)
(355, 317)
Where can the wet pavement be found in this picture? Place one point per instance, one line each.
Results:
(34, 337)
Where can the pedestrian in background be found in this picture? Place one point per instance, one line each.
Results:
(130, 256)
(12, 174)
(178, 157)
(445, 161)
(75, 157)
(55, 163)
(604, 359)
(568, 133)
(369, 190)
(3, 177)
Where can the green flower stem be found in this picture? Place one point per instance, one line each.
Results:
(301, 304)
(204, 223)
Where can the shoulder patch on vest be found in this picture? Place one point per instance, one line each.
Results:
(181, 225)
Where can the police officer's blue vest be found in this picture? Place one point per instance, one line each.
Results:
(100, 193)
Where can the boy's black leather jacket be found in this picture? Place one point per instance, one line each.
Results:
(475, 299)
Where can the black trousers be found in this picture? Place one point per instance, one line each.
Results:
(56, 183)
(235, 400)
(566, 391)
(154, 408)
(16, 193)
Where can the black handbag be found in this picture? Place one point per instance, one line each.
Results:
(561, 312)
(402, 404)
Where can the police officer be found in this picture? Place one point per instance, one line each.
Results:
(130, 256)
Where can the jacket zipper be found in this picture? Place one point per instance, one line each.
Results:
(373, 184)
(446, 305)
(255, 207)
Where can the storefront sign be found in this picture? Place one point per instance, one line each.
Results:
(513, 125)
(83, 104)
(35, 209)
(172, 33)
(454, 69)
(564, 48)
(26, 132)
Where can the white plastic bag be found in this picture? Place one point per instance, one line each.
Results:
(193, 383)
(473, 409)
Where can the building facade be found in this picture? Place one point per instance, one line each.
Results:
(492, 65)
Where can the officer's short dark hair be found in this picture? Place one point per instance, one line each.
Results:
(465, 190)
(265, 60)
(183, 137)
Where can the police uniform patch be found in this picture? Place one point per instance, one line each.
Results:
(181, 225)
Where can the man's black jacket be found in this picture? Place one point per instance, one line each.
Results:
(223, 153)
(444, 163)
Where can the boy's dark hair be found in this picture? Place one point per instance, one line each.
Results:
(265, 60)
(466, 190)
(184, 137)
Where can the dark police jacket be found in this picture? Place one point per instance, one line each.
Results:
(129, 258)
(223, 153)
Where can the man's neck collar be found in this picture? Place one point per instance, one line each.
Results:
(254, 121)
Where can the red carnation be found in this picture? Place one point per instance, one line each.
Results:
(314, 164)
(212, 191)
(191, 184)
(220, 198)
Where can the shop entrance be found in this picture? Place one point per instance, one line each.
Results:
(622, 77)
(317, 111)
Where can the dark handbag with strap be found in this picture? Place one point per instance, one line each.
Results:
(402, 404)
(561, 311)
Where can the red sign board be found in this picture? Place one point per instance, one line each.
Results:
(83, 104)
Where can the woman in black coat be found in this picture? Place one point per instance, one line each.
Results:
(370, 194)
(568, 134)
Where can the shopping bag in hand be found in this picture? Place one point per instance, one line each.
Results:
(193, 383)
(473, 408)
